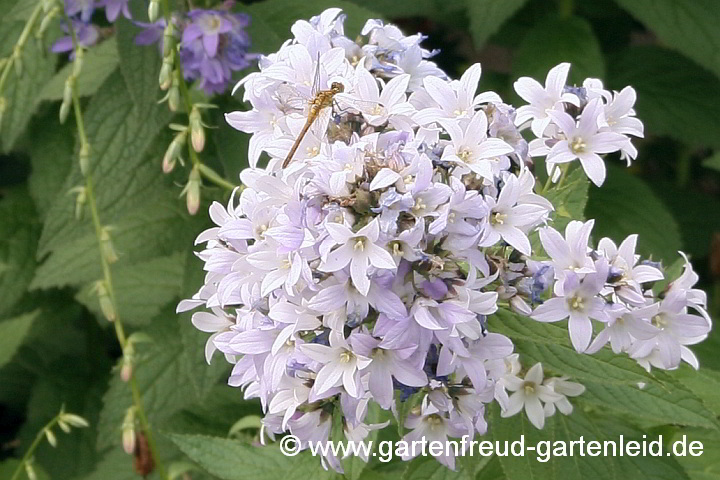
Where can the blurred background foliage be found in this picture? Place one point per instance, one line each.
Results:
(55, 347)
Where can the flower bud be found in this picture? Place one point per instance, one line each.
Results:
(197, 132)
(67, 98)
(127, 361)
(166, 73)
(106, 304)
(106, 246)
(174, 97)
(74, 420)
(168, 39)
(51, 438)
(84, 159)
(80, 201)
(47, 21)
(128, 431)
(30, 470)
(17, 60)
(47, 5)
(192, 190)
(63, 425)
(173, 151)
(153, 10)
(78, 62)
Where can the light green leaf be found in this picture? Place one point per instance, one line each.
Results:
(569, 199)
(707, 465)
(626, 205)
(12, 334)
(556, 40)
(98, 63)
(705, 383)
(19, 232)
(141, 289)
(427, 468)
(686, 114)
(21, 93)
(233, 460)
(487, 16)
(712, 162)
(171, 375)
(689, 27)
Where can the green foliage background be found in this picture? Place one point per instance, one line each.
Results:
(56, 348)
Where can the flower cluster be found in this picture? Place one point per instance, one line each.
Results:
(212, 44)
(365, 271)
(611, 286)
(80, 13)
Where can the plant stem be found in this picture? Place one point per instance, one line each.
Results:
(20, 44)
(33, 446)
(107, 274)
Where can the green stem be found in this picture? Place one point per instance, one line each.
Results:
(548, 182)
(33, 446)
(17, 50)
(107, 274)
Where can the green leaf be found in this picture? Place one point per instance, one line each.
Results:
(8, 467)
(98, 63)
(569, 199)
(573, 428)
(548, 343)
(171, 375)
(487, 16)
(232, 148)
(704, 383)
(427, 468)
(51, 157)
(232, 460)
(707, 465)
(712, 162)
(19, 233)
(140, 66)
(21, 93)
(555, 40)
(626, 205)
(141, 289)
(12, 334)
(688, 27)
(686, 114)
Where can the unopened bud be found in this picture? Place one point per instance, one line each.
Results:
(174, 97)
(518, 305)
(127, 361)
(47, 5)
(67, 98)
(168, 39)
(106, 304)
(63, 425)
(46, 21)
(153, 10)
(192, 190)
(166, 72)
(78, 62)
(30, 470)
(197, 132)
(128, 431)
(17, 60)
(106, 246)
(51, 438)
(173, 151)
(74, 420)
(80, 201)
(85, 159)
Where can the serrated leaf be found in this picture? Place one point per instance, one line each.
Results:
(689, 27)
(140, 66)
(686, 114)
(21, 93)
(487, 16)
(548, 343)
(566, 429)
(171, 375)
(141, 289)
(569, 199)
(704, 383)
(626, 205)
(98, 63)
(232, 460)
(51, 156)
(19, 233)
(555, 40)
(12, 334)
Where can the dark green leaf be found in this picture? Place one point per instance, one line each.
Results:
(626, 205)
(140, 67)
(689, 27)
(487, 16)
(12, 334)
(51, 157)
(556, 40)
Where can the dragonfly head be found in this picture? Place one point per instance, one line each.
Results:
(337, 87)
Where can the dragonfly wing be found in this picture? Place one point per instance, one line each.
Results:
(316, 79)
(290, 97)
(348, 102)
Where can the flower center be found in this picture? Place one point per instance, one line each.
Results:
(346, 356)
(464, 154)
(451, 217)
(529, 388)
(419, 205)
(434, 420)
(498, 218)
(576, 303)
(360, 244)
(578, 145)
(660, 322)
(397, 249)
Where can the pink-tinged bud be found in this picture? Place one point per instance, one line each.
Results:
(126, 372)
(193, 191)
(197, 132)
(128, 431)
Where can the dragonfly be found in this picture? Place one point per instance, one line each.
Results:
(318, 103)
